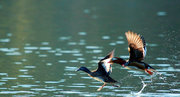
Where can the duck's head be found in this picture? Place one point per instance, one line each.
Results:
(84, 69)
(117, 60)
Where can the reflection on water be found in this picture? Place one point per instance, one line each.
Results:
(41, 47)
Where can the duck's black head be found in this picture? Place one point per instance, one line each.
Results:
(84, 69)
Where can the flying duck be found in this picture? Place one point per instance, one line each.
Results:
(137, 50)
(102, 72)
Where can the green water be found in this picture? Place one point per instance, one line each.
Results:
(43, 42)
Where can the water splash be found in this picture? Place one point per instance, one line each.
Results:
(160, 76)
(144, 85)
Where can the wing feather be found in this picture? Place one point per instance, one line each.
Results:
(137, 46)
(104, 63)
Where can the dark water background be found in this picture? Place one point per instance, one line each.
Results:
(43, 42)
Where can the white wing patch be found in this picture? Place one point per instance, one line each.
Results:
(107, 66)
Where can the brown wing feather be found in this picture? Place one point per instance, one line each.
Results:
(136, 46)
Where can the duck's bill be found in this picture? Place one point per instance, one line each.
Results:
(77, 70)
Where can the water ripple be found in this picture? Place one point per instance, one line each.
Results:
(69, 51)
(64, 38)
(1, 83)
(5, 40)
(3, 74)
(31, 48)
(9, 49)
(30, 66)
(16, 92)
(76, 86)
(25, 76)
(163, 90)
(70, 92)
(45, 48)
(14, 53)
(43, 89)
(62, 61)
(27, 85)
(93, 47)
(8, 78)
(82, 33)
(68, 68)
(105, 37)
(162, 58)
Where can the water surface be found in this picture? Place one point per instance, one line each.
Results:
(42, 43)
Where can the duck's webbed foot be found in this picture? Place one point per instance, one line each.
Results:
(149, 72)
(101, 87)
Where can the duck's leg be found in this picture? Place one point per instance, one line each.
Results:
(101, 87)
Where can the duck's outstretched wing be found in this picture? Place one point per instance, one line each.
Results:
(109, 56)
(104, 64)
(137, 46)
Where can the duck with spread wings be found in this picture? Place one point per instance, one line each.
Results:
(137, 50)
(102, 72)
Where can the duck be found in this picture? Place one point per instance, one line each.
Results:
(102, 73)
(137, 52)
